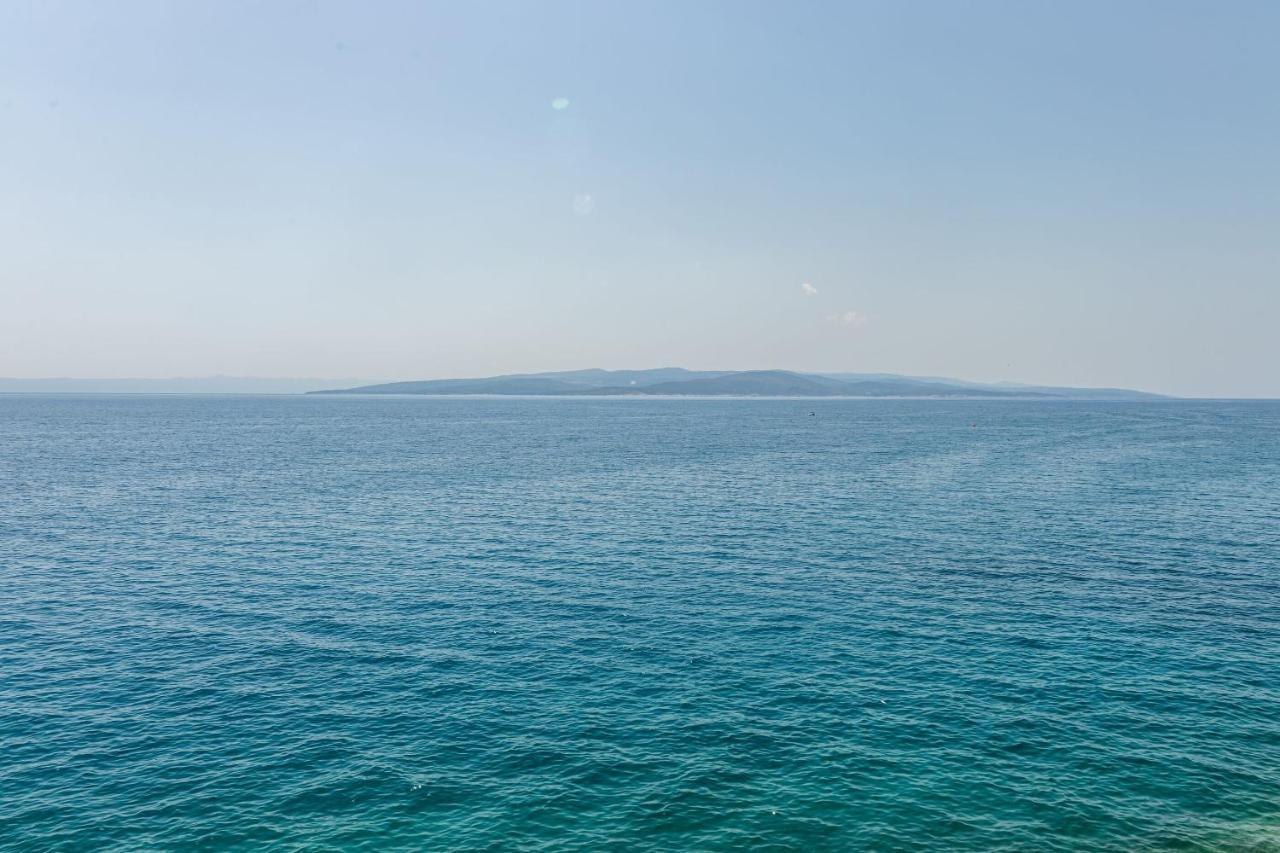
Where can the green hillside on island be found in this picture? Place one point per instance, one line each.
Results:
(679, 382)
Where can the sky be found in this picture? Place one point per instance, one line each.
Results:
(1082, 193)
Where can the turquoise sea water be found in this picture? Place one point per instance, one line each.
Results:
(467, 624)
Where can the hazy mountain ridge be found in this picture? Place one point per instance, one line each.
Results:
(675, 381)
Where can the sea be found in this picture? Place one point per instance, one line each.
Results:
(309, 623)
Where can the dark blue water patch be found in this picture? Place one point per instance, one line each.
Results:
(398, 623)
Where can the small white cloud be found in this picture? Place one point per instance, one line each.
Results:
(561, 103)
(808, 289)
(583, 204)
(848, 318)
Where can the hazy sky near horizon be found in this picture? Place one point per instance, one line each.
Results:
(1077, 193)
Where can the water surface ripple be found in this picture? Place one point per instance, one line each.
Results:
(466, 624)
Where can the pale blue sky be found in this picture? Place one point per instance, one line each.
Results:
(1074, 193)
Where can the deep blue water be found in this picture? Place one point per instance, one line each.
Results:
(438, 624)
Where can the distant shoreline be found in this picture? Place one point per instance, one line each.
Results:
(681, 382)
(674, 382)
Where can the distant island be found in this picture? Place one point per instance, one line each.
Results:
(677, 381)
